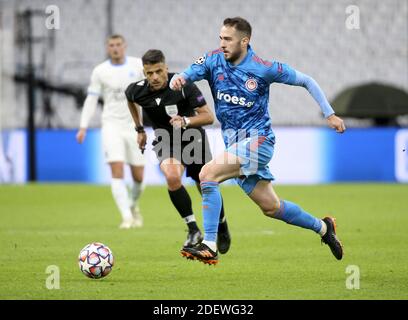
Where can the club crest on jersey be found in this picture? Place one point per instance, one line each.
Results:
(251, 84)
(171, 110)
(200, 60)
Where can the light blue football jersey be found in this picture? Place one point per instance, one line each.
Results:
(240, 92)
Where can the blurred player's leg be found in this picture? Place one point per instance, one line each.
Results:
(173, 171)
(136, 160)
(120, 194)
(114, 146)
(137, 189)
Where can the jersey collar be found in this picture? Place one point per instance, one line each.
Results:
(119, 65)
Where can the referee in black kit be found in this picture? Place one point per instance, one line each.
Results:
(180, 141)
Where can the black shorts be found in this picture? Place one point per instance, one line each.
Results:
(193, 152)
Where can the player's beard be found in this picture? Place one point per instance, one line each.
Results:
(233, 56)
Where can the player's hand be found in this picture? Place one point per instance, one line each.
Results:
(177, 82)
(177, 122)
(81, 134)
(141, 141)
(336, 123)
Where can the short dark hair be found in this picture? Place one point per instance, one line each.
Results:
(240, 24)
(153, 56)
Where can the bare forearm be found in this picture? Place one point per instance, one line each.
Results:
(201, 119)
(134, 110)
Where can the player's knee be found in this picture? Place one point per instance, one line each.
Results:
(138, 175)
(116, 170)
(271, 209)
(206, 174)
(117, 173)
(173, 181)
(202, 174)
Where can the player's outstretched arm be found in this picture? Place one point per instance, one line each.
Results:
(317, 93)
(197, 71)
(177, 82)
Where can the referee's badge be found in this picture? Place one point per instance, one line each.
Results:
(251, 84)
(171, 110)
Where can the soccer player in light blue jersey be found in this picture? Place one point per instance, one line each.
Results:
(239, 82)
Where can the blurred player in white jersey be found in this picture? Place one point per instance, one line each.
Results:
(109, 80)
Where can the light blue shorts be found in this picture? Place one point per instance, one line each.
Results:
(255, 154)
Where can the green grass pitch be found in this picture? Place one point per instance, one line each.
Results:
(42, 225)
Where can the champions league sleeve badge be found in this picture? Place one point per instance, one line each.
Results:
(200, 60)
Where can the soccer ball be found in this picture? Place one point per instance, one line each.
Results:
(96, 260)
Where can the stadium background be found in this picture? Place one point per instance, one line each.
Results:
(46, 224)
(312, 37)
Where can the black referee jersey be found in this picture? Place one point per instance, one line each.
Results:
(161, 105)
